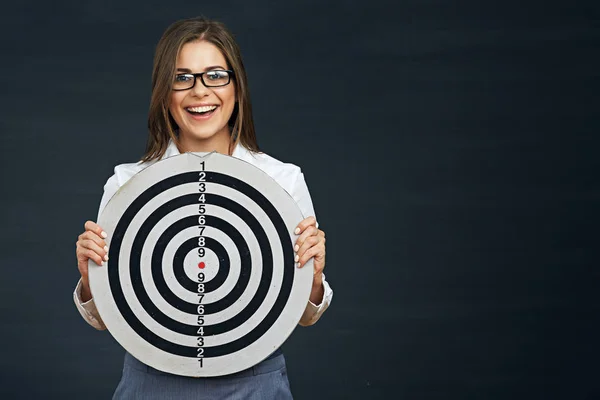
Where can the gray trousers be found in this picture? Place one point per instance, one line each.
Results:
(265, 381)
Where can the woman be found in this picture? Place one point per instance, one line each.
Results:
(200, 103)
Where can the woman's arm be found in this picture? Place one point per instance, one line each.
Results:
(311, 244)
(82, 295)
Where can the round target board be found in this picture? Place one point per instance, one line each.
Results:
(201, 279)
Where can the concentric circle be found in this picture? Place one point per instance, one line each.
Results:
(201, 279)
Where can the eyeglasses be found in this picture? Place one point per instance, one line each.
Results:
(214, 78)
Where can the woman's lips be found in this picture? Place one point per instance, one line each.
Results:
(202, 117)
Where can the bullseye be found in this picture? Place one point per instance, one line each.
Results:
(201, 265)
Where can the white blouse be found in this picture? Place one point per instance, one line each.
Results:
(288, 176)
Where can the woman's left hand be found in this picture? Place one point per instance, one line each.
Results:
(311, 243)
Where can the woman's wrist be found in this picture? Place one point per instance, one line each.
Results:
(86, 294)
(317, 292)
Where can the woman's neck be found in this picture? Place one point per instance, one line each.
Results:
(221, 143)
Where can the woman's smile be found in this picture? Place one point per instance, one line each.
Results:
(202, 112)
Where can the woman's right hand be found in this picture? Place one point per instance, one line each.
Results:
(90, 246)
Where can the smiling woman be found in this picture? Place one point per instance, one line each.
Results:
(200, 103)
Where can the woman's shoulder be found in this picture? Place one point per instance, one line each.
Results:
(124, 172)
(264, 160)
(284, 173)
(289, 176)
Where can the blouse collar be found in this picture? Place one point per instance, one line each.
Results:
(238, 152)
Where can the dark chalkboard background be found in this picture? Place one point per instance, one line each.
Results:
(450, 149)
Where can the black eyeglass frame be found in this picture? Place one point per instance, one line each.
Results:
(201, 75)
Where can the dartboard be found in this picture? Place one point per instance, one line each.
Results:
(201, 278)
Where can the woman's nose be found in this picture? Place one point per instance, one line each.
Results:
(199, 89)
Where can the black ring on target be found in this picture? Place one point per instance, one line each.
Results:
(288, 267)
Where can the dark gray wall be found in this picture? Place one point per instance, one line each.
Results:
(450, 149)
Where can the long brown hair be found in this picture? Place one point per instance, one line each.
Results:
(161, 124)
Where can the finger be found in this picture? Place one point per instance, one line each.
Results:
(91, 245)
(92, 255)
(308, 243)
(89, 235)
(305, 223)
(94, 227)
(309, 232)
(312, 252)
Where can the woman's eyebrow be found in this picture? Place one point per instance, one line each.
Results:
(189, 71)
(214, 67)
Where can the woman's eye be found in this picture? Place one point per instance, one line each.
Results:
(182, 78)
(216, 75)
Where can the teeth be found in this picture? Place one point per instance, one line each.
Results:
(201, 109)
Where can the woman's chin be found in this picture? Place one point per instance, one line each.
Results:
(202, 135)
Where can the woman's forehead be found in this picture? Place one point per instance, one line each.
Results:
(200, 55)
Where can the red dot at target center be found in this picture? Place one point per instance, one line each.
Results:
(201, 264)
